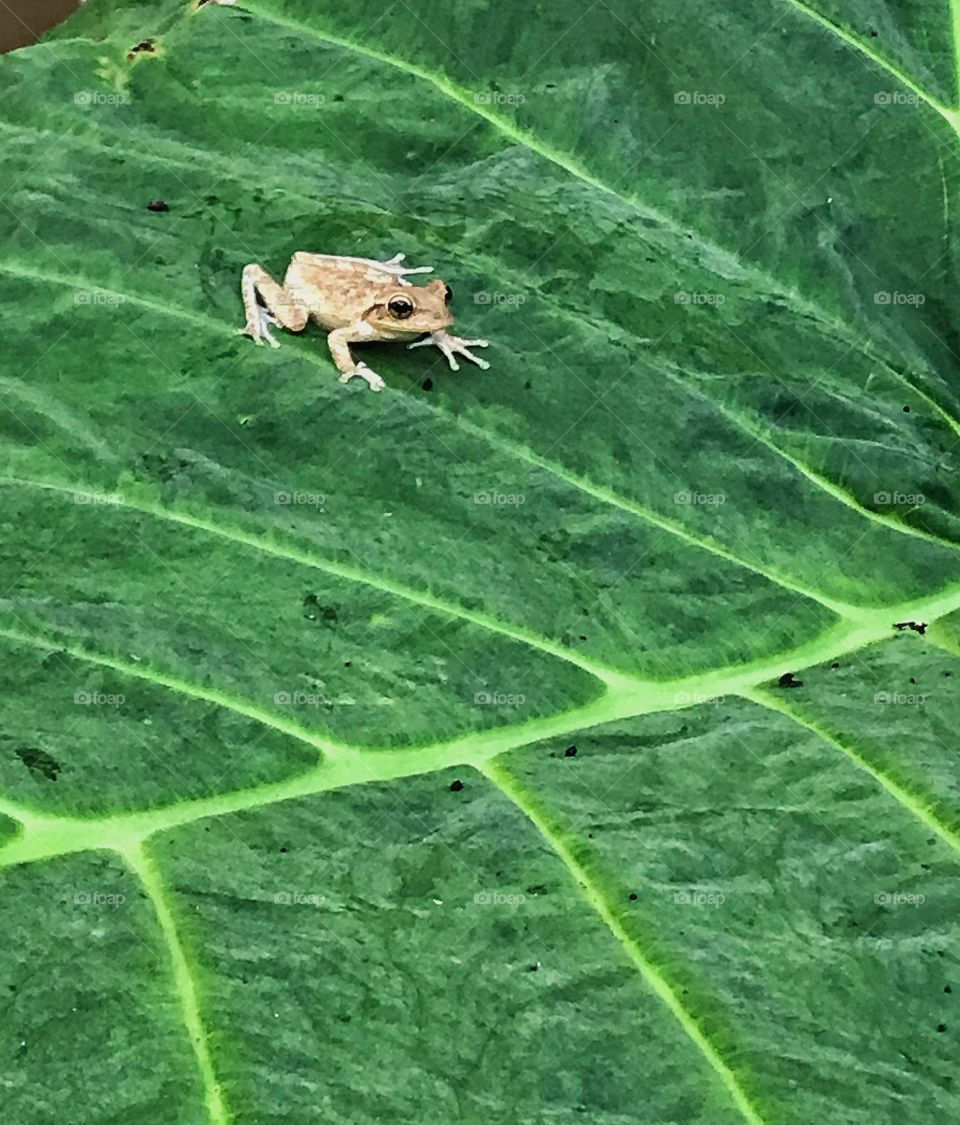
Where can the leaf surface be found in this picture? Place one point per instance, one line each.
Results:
(573, 740)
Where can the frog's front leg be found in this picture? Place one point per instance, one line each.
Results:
(339, 341)
(452, 346)
(283, 306)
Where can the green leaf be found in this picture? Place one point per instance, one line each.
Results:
(570, 741)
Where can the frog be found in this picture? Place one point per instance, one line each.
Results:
(356, 300)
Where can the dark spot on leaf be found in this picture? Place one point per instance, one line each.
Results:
(917, 626)
(947, 988)
(347, 663)
(633, 896)
(39, 762)
(787, 680)
(906, 410)
(158, 205)
(527, 385)
(456, 786)
(537, 889)
(941, 1027)
(570, 752)
(283, 849)
(427, 384)
(533, 968)
(835, 664)
(338, 97)
(912, 680)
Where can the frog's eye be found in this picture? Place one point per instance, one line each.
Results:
(448, 294)
(400, 307)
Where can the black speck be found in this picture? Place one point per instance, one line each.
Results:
(787, 680)
(456, 786)
(570, 752)
(338, 97)
(527, 385)
(347, 663)
(941, 1027)
(633, 896)
(947, 988)
(917, 626)
(145, 46)
(39, 762)
(906, 410)
(158, 205)
(835, 664)
(873, 34)
(532, 968)
(427, 384)
(283, 849)
(912, 680)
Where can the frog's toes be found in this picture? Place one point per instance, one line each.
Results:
(452, 346)
(260, 328)
(363, 372)
(395, 266)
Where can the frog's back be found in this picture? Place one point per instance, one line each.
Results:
(337, 290)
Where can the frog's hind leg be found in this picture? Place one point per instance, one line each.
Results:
(399, 271)
(282, 306)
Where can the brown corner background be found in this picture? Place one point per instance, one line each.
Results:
(24, 21)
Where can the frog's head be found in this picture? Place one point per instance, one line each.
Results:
(411, 310)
